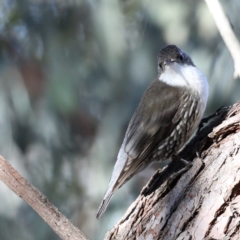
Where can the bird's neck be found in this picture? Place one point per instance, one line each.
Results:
(187, 76)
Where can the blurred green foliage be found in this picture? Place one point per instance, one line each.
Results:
(71, 75)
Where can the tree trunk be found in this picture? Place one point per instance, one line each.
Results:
(202, 203)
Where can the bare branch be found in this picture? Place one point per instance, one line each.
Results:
(51, 215)
(226, 32)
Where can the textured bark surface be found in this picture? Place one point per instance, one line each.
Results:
(203, 203)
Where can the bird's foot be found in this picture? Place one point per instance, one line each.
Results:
(187, 164)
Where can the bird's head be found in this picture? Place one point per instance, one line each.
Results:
(171, 55)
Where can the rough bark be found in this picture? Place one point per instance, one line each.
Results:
(204, 202)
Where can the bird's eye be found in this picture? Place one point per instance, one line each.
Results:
(181, 57)
(160, 65)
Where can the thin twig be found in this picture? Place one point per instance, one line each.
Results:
(50, 214)
(226, 32)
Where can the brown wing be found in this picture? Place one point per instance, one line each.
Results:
(155, 118)
(157, 115)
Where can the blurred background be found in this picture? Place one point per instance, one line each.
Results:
(71, 76)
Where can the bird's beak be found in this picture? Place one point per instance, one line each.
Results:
(169, 62)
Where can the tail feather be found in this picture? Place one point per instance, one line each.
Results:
(104, 205)
(114, 182)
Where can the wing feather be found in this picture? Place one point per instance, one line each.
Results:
(154, 120)
(147, 129)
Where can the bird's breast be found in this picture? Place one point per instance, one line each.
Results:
(191, 114)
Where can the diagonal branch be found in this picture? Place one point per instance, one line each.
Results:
(50, 214)
(226, 32)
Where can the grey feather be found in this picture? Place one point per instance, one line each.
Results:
(166, 117)
(145, 132)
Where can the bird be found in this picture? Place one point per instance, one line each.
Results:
(169, 112)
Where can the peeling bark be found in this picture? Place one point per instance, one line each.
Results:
(204, 202)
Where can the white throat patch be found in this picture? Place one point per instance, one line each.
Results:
(185, 76)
